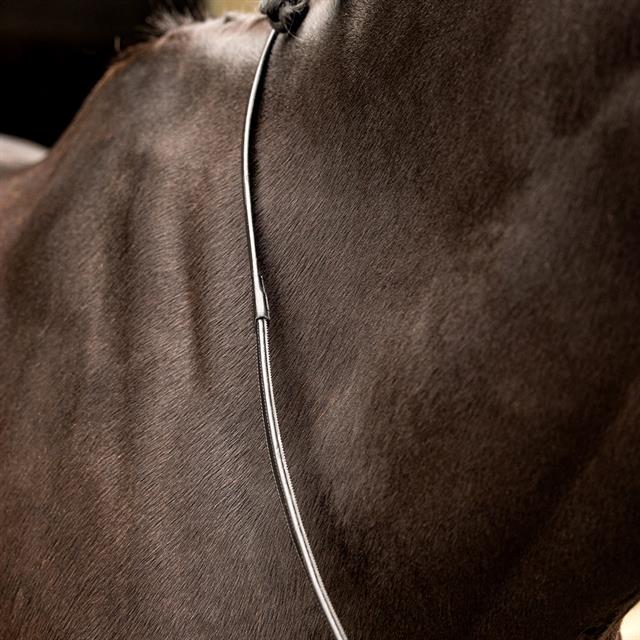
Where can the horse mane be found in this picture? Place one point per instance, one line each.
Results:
(285, 16)
(161, 22)
(169, 18)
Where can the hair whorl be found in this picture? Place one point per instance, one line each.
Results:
(285, 15)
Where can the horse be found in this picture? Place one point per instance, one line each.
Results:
(446, 203)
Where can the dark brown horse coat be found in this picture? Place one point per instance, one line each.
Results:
(448, 198)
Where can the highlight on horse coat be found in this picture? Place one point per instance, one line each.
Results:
(445, 215)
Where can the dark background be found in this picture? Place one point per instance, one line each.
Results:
(52, 52)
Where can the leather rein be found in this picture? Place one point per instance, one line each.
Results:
(262, 318)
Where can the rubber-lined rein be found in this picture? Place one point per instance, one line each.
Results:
(261, 309)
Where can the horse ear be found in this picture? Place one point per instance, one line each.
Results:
(285, 15)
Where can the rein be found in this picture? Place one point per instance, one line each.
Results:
(261, 317)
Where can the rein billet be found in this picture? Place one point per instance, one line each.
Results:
(261, 316)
